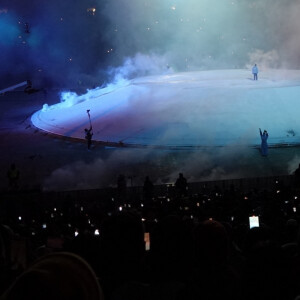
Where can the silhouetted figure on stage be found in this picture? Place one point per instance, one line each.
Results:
(13, 175)
(255, 72)
(264, 145)
(88, 136)
(181, 185)
(148, 188)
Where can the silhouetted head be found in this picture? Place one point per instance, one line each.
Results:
(122, 242)
(211, 242)
(57, 275)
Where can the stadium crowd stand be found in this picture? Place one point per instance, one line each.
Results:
(162, 245)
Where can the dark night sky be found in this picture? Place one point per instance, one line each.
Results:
(73, 42)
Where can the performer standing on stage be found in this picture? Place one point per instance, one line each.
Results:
(264, 145)
(255, 72)
(89, 132)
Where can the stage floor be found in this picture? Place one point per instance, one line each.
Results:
(60, 161)
(192, 109)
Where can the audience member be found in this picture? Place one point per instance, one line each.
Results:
(201, 246)
(56, 276)
(181, 185)
(13, 175)
(148, 188)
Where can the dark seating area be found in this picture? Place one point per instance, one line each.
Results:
(158, 243)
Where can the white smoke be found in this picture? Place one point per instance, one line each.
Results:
(265, 60)
(161, 166)
(140, 65)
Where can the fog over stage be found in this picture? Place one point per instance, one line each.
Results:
(190, 109)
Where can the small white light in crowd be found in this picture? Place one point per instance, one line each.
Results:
(253, 221)
(20, 218)
(294, 209)
(81, 208)
(97, 232)
(278, 191)
(155, 220)
(142, 205)
(168, 200)
(44, 226)
(54, 209)
(76, 233)
(143, 219)
(112, 199)
(120, 208)
(69, 225)
(296, 197)
(198, 204)
(52, 216)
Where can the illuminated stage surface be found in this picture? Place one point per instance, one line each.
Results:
(191, 109)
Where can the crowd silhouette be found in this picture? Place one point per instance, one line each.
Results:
(201, 246)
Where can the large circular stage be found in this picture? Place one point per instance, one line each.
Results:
(191, 109)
